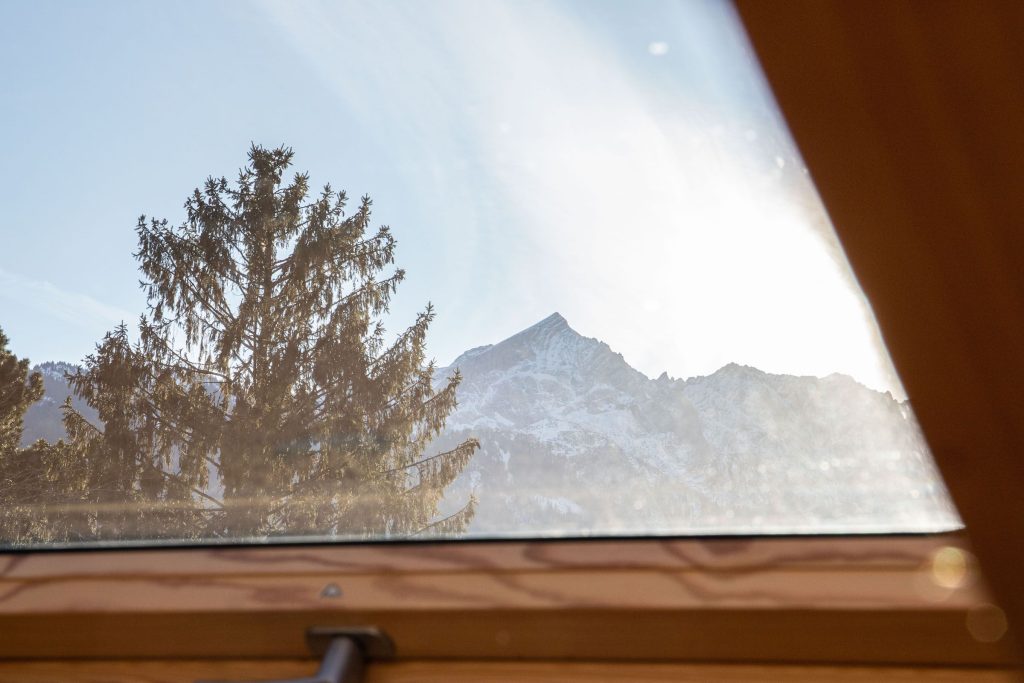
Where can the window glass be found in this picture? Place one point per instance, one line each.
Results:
(410, 270)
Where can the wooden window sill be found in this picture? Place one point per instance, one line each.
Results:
(172, 671)
(836, 600)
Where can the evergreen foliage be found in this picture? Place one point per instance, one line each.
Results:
(18, 390)
(261, 397)
(25, 473)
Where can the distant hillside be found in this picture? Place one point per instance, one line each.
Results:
(44, 419)
(574, 440)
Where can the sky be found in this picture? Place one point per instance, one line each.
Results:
(623, 164)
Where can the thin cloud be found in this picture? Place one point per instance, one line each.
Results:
(47, 299)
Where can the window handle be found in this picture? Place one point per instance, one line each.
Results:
(345, 652)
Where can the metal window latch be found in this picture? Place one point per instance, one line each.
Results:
(344, 653)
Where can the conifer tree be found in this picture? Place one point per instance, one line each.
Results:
(18, 390)
(70, 490)
(24, 472)
(261, 397)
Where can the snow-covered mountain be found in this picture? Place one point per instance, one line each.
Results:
(44, 420)
(574, 439)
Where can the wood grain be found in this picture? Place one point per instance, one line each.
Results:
(621, 589)
(846, 573)
(838, 599)
(717, 554)
(775, 635)
(480, 672)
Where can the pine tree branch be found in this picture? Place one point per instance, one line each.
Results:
(361, 249)
(190, 364)
(222, 315)
(324, 312)
(461, 512)
(454, 451)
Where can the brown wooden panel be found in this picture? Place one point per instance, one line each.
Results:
(621, 589)
(839, 599)
(479, 672)
(849, 573)
(909, 114)
(826, 636)
(718, 554)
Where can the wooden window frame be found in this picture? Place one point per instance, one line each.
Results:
(839, 71)
(908, 114)
(814, 599)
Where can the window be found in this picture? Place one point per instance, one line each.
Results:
(53, 604)
(644, 322)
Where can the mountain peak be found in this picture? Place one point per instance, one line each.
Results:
(553, 329)
(738, 369)
(554, 321)
(549, 346)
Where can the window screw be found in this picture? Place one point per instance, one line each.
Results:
(331, 590)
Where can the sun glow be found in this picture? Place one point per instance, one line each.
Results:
(671, 218)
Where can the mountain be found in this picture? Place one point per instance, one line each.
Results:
(44, 420)
(574, 440)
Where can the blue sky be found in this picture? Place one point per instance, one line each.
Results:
(621, 163)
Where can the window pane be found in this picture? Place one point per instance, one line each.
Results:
(589, 213)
